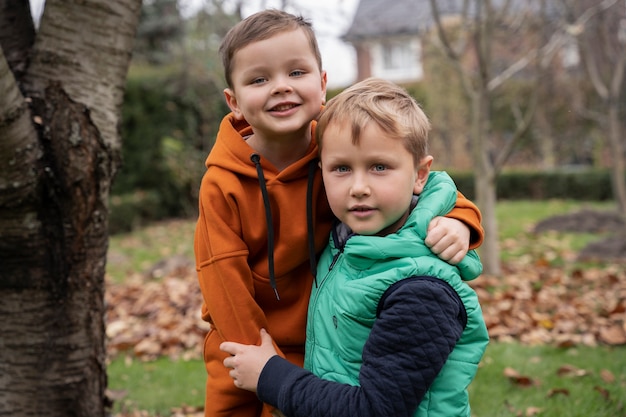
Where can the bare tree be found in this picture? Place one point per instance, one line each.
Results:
(494, 41)
(471, 44)
(601, 34)
(61, 90)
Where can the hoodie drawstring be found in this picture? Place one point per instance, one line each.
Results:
(256, 159)
(310, 220)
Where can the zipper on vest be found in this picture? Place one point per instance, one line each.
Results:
(334, 261)
(330, 268)
(311, 337)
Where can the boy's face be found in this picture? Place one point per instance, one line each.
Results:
(370, 185)
(277, 85)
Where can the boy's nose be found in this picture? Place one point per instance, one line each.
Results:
(282, 85)
(360, 187)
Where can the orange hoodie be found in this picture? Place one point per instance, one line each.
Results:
(243, 292)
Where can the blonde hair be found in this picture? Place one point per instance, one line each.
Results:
(260, 26)
(384, 103)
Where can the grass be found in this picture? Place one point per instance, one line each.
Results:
(517, 218)
(160, 386)
(586, 391)
(138, 251)
(156, 386)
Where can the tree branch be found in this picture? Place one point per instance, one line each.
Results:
(451, 54)
(17, 34)
(583, 41)
(618, 75)
(523, 123)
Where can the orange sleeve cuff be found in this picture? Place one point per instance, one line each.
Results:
(467, 212)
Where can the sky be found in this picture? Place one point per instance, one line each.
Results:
(330, 18)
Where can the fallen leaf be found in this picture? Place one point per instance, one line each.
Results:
(518, 379)
(533, 411)
(571, 370)
(555, 391)
(613, 335)
(604, 392)
(607, 376)
(115, 394)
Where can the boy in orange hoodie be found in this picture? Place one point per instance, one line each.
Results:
(263, 212)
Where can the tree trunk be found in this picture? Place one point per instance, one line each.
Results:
(490, 249)
(485, 183)
(59, 149)
(545, 137)
(618, 166)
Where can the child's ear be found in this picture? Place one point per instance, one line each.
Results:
(423, 170)
(324, 81)
(231, 100)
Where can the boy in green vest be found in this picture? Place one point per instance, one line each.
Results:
(392, 330)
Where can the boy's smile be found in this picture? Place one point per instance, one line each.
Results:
(278, 88)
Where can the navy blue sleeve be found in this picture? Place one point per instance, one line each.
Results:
(420, 321)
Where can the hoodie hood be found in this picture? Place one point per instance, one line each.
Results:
(233, 154)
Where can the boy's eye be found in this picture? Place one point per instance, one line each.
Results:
(258, 80)
(297, 73)
(380, 167)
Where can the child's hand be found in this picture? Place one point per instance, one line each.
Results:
(448, 239)
(247, 361)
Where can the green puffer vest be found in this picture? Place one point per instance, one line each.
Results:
(342, 308)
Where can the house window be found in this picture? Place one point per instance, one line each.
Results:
(397, 60)
(397, 56)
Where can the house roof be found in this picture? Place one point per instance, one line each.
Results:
(383, 18)
(375, 18)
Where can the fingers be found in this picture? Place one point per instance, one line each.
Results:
(434, 233)
(449, 250)
(229, 347)
(448, 239)
(433, 223)
(233, 348)
(266, 339)
(452, 255)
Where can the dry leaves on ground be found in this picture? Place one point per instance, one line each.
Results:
(156, 314)
(532, 303)
(537, 304)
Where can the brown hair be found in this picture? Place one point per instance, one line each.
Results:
(384, 103)
(260, 26)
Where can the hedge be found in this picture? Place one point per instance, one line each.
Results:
(577, 184)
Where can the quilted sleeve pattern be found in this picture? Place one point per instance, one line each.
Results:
(420, 321)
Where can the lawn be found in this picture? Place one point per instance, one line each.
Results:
(518, 376)
(546, 381)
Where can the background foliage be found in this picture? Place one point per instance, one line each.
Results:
(174, 104)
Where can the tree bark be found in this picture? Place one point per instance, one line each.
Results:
(59, 150)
